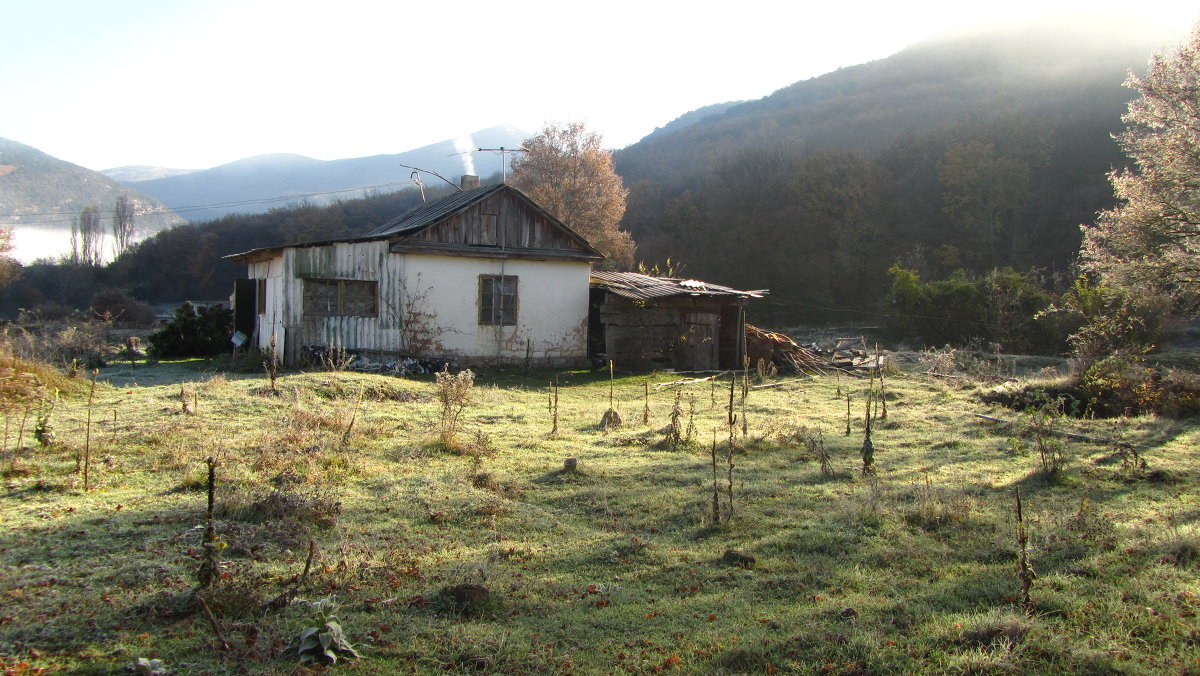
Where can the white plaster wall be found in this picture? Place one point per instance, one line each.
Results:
(552, 305)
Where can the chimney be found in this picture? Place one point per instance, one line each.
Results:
(469, 182)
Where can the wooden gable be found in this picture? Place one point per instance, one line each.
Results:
(503, 222)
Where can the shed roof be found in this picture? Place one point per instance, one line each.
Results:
(644, 287)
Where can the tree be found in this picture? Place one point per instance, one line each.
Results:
(9, 268)
(122, 225)
(1150, 242)
(568, 172)
(986, 195)
(86, 237)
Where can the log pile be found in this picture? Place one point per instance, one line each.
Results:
(781, 350)
(848, 355)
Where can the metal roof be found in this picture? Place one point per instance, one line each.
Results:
(424, 216)
(431, 212)
(644, 287)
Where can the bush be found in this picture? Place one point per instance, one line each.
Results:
(453, 392)
(122, 309)
(194, 332)
(1124, 384)
(1003, 306)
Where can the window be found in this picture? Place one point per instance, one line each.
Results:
(497, 300)
(340, 298)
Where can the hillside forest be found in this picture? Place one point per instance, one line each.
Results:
(959, 169)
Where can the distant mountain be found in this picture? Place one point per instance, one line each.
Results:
(692, 117)
(1067, 67)
(136, 173)
(41, 197)
(976, 150)
(257, 184)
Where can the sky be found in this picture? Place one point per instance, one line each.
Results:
(192, 85)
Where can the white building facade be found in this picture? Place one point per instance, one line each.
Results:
(483, 276)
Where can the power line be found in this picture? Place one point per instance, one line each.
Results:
(71, 216)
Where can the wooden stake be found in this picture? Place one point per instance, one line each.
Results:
(554, 405)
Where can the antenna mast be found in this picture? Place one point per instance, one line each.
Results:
(503, 165)
(430, 171)
(416, 178)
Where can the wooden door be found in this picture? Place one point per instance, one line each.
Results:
(700, 340)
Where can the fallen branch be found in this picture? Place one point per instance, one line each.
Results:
(689, 381)
(213, 621)
(763, 387)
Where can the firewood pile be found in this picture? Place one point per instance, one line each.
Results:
(849, 354)
(781, 350)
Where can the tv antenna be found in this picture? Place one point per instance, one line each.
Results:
(430, 171)
(503, 165)
(503, 151)
(416, 178)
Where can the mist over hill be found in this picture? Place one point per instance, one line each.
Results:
(41, 196)
(975, 150)
(135, 173)
(256, 184)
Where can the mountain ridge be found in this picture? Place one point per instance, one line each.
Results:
(41, 196)
(255, 184)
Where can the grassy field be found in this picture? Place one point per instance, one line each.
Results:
(617, 567)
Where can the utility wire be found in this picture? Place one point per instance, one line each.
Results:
(71, 216)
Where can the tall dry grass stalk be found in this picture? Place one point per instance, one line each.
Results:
(87, 440)
(1025, 572)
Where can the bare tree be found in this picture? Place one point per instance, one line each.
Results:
(86, 238)
(567, 170)
(122, 225)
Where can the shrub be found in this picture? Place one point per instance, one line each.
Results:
(194, 332)
(1003, 306)
(1125, 384)
(122, 309)
(453, 392)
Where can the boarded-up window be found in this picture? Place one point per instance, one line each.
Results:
(340, 298)
(489, 234)
(498, 300)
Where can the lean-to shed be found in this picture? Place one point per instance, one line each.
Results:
(483, 275)
(643, 322)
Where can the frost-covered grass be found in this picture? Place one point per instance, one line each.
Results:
(613, 568)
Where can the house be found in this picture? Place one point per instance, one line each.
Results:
(643, 322)
(483, 275)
